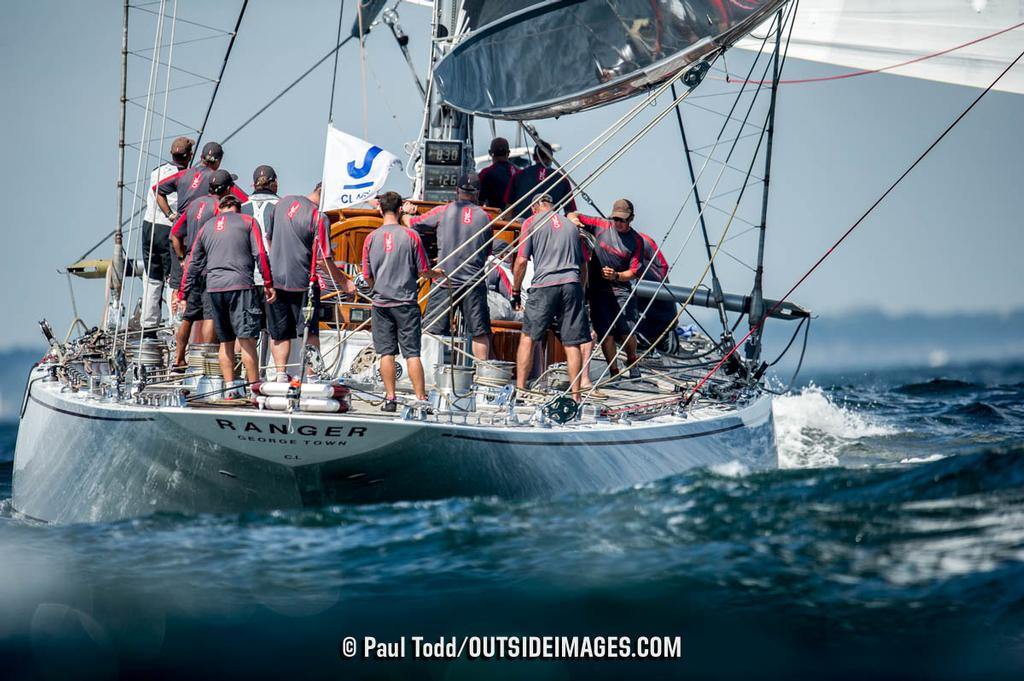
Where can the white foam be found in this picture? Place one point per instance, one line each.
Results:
(923, 459)
(811, 430)
(730, 469)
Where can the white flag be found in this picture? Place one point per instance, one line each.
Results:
(354, 170)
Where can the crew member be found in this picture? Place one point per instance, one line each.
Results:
(555, 246)
(535, 178)
(618, 252)
(195, 307)
(499, 281)
(161, 267)
(297, 235)
(192, 183)
(494, 178)
(463, 244)
(262, 201)
(656, 315)
(227, 248)
(393, 259)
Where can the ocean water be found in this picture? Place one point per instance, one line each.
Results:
(890, 544)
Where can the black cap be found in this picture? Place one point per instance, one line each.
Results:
(544, 151)
(263, 175)
(499, 145)
(469, 182)
(212, 151)
(221, 180)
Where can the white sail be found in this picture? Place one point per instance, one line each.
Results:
(868, 35)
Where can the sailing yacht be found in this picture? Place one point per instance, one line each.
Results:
(107, 431)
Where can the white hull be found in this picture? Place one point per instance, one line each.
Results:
(81, 459)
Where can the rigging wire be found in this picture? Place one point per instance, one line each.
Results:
(334, 73)
(780, 21)
(860, 220)
(220, 76)
(122, 315)
(287, 89)
(147, 283)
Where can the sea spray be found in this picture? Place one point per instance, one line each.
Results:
(811, 430)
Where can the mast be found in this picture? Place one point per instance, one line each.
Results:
(756, 316)
(447, 134)
(117, 263)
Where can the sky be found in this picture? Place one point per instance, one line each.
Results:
(948, 240)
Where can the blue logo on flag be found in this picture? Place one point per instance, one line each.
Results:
(357, 173)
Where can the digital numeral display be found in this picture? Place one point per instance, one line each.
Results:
(440, 178)
(444, 153)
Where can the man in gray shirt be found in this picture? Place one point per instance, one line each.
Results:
(297, 236)
(554, 245)
(393, 260)
(226, 249)
(463, 244)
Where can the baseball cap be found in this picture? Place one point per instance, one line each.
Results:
(221, 179)
(499, 246)
(469, 182)
(622, 209)
(229, 200)
(264, 174)
(499, 145)
(212, 151)
(544, 151)
(541, 198)
(181, 146)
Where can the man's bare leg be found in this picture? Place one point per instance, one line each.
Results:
(387, 374)
(280, 349)
(586, 349)
(524, 360)
(630, 347)
(181, 342)
(250, 359)
(609, 350)
(574, 360)
(416, 376)
(226, 358)
(482, 346)
(205, 332)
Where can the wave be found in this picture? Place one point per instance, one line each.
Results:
(936, 386)
(811, 431)
(974, 412)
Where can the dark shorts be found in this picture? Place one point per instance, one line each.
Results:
(236, 314)
(285, 316)
(396, 328)
(476, 317)
(156, 252)
(564, 302)
(197, 303)
(604, 307)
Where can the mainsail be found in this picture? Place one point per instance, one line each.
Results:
(540, 59)
(964, 42)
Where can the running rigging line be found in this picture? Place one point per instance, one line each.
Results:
(859, 221)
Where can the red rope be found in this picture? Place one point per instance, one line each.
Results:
(854, 74)
(853, 227)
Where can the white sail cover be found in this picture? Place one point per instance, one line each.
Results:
(867, 35)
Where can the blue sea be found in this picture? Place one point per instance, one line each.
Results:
(889, 545)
